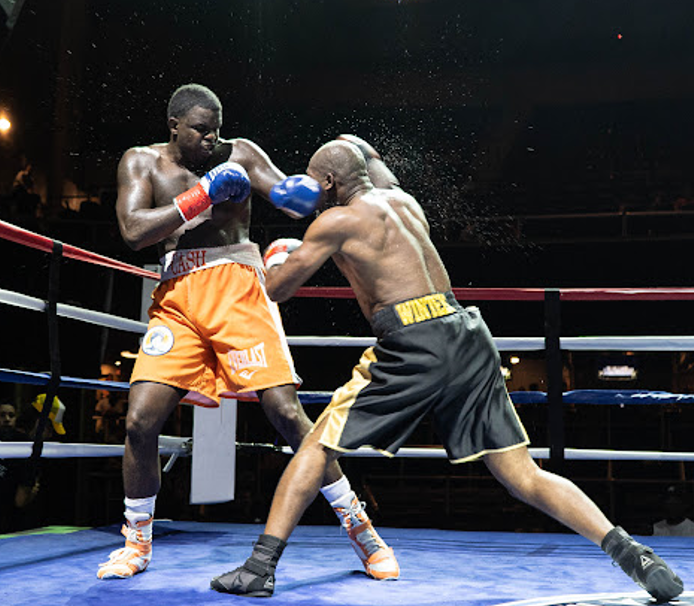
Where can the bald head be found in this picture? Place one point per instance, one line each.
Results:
(341, 159)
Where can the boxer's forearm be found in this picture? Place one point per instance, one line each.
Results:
(381, 176)
(284, 279)
(148, 226)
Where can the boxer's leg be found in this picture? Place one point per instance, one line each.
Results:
(285, 412)
(283, 409)
(550, 493)
(296, 490)
(567, 503)
(149, 405)
(298, 486)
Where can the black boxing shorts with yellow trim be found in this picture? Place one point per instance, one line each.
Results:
(432, 357)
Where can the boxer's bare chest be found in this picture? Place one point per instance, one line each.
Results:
(225, 223)
(169, 180)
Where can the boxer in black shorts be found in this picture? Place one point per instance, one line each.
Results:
(431, 357)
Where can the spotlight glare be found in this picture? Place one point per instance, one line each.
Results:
(5, 124)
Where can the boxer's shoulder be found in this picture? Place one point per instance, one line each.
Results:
(146, 152)
(138, 162)
(143, 157)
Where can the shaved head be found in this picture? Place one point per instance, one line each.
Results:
(344, 160)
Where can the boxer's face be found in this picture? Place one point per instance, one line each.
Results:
(196, 133)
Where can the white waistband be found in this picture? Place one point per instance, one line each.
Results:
(177, 263)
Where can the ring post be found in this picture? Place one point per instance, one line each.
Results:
(54, 351)
(554, 378)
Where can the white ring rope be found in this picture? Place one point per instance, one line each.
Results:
(168, 445)
(644, 343)
(175, 446)
(578, 454)
(75, 313)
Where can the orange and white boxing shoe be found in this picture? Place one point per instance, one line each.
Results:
(134, 557)
(378, 559)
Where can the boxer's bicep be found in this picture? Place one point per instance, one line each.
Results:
(135, 191)
(140, 221)
(134, 183)
(261, 170)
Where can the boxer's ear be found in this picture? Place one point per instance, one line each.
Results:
(173, 125)
(329, 181)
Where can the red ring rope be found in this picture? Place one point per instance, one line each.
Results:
(530, 294)
(27, 238)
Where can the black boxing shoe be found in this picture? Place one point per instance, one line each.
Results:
(256, 578)
(253, 579)
(646, 569)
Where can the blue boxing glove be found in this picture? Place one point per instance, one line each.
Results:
(228, 181)
(298, 195)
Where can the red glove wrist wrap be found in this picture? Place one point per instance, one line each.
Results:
(192, 202)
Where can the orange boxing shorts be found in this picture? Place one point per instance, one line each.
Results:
(213, 330)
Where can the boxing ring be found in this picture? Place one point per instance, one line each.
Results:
(439, 567)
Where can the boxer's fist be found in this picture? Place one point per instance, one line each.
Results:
(298, 195)
(228, 181)
(279, 250)
(367, 150)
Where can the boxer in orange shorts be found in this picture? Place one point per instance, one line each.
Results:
(195, 305)
(213, 331)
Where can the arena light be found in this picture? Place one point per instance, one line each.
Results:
(128, 355)
(514, 360)
(5, 124)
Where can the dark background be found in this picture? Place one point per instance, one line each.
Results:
(490, 113)
(482, 111)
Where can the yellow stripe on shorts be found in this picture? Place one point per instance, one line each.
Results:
(344, 397)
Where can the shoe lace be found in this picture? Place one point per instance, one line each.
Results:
(369, 542)
(135, 532)
(368, 539)
(350, 515)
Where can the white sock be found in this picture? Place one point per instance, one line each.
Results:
(138, 510)
(340, 493)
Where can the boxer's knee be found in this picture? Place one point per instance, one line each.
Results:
(140, 426)
(287, 415)
(149, 406)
